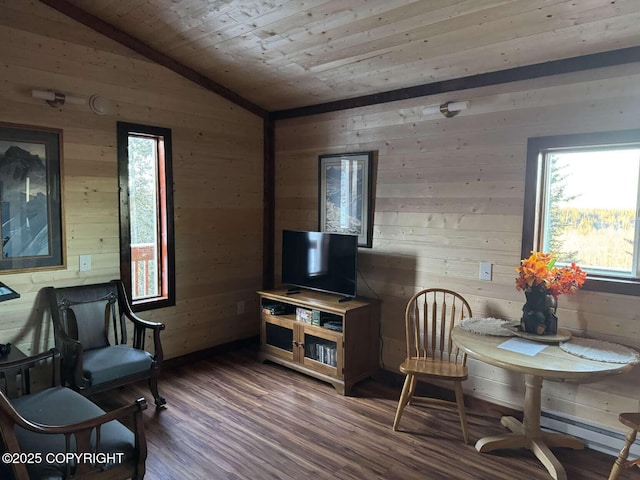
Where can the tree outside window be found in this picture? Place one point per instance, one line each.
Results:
(581, 204)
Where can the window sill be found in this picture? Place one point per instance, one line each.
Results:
(620, 286)
(151, 304)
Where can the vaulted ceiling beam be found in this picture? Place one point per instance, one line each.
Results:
(147, 51)
(556, 67)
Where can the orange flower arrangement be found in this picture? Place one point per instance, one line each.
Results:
(539, 271)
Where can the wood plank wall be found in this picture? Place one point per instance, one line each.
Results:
(449, 195)
(217, 152)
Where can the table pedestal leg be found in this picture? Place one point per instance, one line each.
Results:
(529, 435)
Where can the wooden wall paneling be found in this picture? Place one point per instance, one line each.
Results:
(322, 51)
(452, 31)
(454, 48)
(332, 54)
(597, 407)
(548, 70)
(38, 21)
(144, 51)
(449, 195)
(495, 385)
(212, 140)
(188, 23)
(386, 31)
(219, 268)
(271, 37)
(264, 16)
(156, 56)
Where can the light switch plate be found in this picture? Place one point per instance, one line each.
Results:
(485, 271)
(85, 263)
(240, 307)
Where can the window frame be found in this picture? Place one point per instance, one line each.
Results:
(533, 202)
(166, 235)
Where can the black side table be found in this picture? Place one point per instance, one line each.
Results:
(9, 376)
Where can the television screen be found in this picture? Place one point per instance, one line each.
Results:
(320, 261)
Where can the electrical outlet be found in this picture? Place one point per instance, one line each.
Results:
(240, 307)
(485, 271)
(85, 263)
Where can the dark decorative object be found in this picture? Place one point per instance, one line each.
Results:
(542, 282)
(539, 312)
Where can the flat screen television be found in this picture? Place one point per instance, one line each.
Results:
(320, 261)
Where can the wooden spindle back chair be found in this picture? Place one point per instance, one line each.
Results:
(430, 316)
(631, 420)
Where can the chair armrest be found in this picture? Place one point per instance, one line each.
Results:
(69, 347)
(67, 344)
(133, 408)
(143, 323)
(128, 311)
(30, 362)
(9, 417)
(140, 325)
(7, 368)
(71, 351)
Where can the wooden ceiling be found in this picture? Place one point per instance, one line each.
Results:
(283, 54)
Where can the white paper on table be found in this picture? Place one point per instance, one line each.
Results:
(521, 345)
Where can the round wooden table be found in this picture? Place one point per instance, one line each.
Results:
(552, 363)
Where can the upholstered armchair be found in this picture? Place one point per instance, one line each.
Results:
(57, 433)
(90, 330)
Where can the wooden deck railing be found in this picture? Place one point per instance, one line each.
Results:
(143, 259)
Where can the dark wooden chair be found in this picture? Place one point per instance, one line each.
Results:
(430, 316)
(90, 330)
(57, 433)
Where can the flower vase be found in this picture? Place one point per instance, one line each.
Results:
(539, 312)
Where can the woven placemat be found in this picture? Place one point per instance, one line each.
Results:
(600, 350)
(488, 326)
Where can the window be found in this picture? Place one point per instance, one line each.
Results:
(581, 203)
(147, 262)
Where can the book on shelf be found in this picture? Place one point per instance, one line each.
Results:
(304, 315)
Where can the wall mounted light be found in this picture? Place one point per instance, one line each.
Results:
(448, 109)
(99, 105)
(57, 99)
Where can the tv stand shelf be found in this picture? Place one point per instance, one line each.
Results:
(340, 357)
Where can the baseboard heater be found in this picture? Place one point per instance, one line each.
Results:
(595, 437)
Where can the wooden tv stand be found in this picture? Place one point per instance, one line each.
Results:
(341, 358)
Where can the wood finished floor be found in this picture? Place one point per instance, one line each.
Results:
(230, 417)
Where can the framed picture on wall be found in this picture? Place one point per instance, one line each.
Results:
(31, 224)
(345, 195)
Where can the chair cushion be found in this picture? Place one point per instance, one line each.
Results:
(63, 406)
(89, 320)
(105, 364)
(89, 312)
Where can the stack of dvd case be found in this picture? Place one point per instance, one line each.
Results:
(323, 353)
